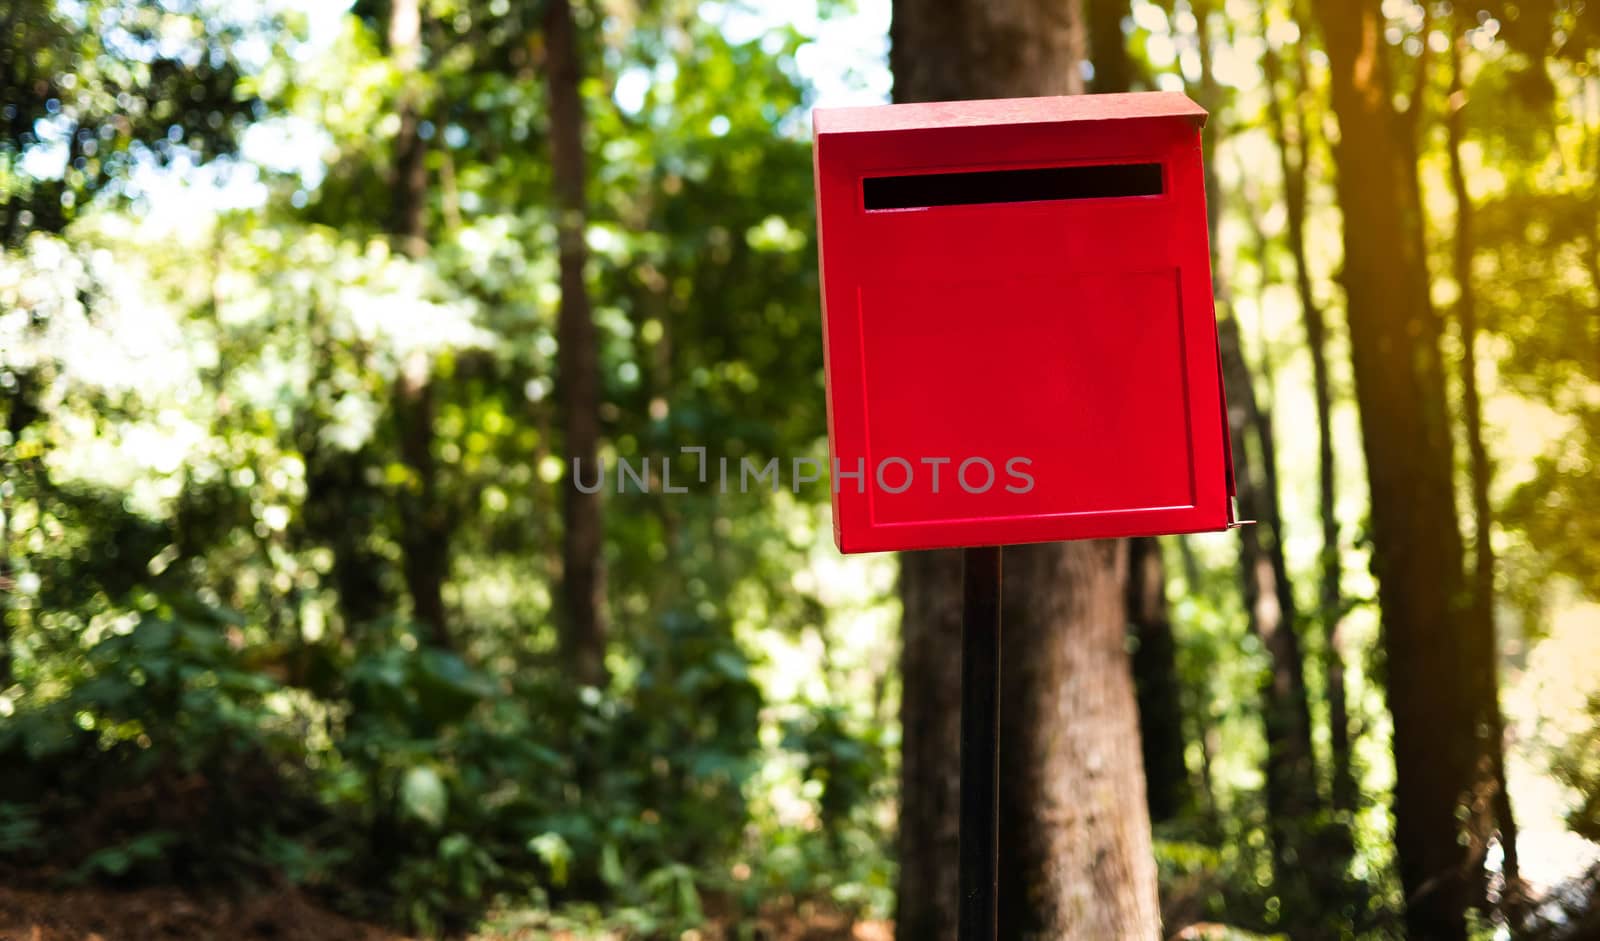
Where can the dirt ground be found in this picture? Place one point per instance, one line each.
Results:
(165, 914)
(168, 914)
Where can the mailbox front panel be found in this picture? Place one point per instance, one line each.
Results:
(1020, 337)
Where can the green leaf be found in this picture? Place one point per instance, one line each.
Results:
(611, 866)
(424, 796)
(731, 664)
(553, 850)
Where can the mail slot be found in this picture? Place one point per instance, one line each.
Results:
(1020, 338)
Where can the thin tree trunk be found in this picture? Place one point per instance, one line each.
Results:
(1155, 666)
(1155, 650)
(410, 150)
(19, 413)
(425, 529)
(1268, 595)
(1114, 69)
(1400, 387)
(1290, 770)
(1209, 740)
(1074, 828)
(1483, 668)
(1190, 564)
(343, 508)
(1156, 682)
(8, 583)
(1293, 152)
(1200, 713)
(577, 361)
(424, 524)
(1591, 258)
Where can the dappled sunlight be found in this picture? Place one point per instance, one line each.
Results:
(1547, 703)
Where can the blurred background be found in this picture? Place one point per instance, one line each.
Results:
(307, 309)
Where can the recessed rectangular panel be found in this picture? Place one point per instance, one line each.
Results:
(1061, 393)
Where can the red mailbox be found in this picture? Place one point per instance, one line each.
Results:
(1017, 316)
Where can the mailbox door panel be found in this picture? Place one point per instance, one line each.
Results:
(1063, 349)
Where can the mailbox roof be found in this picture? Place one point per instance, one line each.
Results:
(1061, 109)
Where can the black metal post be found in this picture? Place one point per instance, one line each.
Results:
(980, 742)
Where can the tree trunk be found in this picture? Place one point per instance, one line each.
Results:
(1269, 607)
(1291, 776)
(1406, 436)
(1155, 677)
(930, 735)
(969, 49)
(1074, 830)
(424, 520)
(7, 584)
(410, 181)
(424, 523)
(1491, 798)
(583, 629)
(1114, 69)
(19, 413)
(1293, 142)
(1155, 650)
